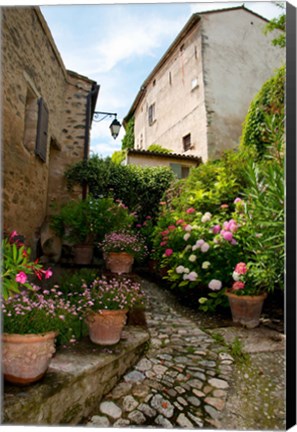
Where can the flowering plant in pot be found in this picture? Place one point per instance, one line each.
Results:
(120, 249)
(32, 320)
(247, 295)
(16, 265)
(106, 303)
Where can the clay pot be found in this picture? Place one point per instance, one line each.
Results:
(25, 358)
(105, 326)
(119, 262)
(246, 310)
(83, 254)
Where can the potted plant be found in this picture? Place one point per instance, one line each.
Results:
(74, 224)
(120, 249)
(32, 321)
(106, 303)
(247, 294)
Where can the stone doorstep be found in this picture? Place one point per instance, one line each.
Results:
(77, 379)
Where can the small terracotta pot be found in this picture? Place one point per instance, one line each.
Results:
(105, 326)
(25, 358)
(83, 254)
(246, 310)
(119, 262)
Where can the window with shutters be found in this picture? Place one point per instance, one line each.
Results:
(42, 130)
(31, 117)
(151, 114)
(187, 142)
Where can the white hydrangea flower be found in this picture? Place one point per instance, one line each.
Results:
(192, 276)
(187, 236)
(215, 285)
(186, 270)
(205, 247)
(206, 217)
(188, 228)
(205, 265)
(180, 269)
(195, 247)
(236, 276)
(199, 243)
(192, 258)
(185, 276)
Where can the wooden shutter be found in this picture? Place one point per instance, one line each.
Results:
(42, 128)
(176, 168)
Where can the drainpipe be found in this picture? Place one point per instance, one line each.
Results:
(90, 108)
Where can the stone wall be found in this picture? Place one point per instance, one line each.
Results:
(31, 69)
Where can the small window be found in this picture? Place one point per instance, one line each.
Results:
(151, 114)
(42, 128)
(185, 171)
(187, 142)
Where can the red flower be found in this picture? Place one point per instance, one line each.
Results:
(168, 252)
(190, 210)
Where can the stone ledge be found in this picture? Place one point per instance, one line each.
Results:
(76, 381)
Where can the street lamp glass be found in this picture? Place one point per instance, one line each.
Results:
(115, 128)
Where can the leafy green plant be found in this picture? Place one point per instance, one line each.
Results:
(128, 140)
(127, 242)
(159, 149)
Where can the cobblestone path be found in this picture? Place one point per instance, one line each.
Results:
(181, 381)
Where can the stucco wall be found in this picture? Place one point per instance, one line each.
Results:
(179, 105)
(32, 65)
(155, 161)
(237, 59)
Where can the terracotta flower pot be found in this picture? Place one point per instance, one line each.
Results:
(83, 254)
(245, 309)
(25, 358)
(105, 326)
(119, 262)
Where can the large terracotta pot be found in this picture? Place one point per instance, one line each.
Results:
(105, 326)
(83, 254)
(25, 358)
(119, 262)
(246, 310)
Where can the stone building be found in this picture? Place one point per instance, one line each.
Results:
(196, 98)
(47, 112)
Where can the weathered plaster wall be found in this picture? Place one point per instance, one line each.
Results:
(154, 161)
(178, 94)
(32, 67)
(237, 59)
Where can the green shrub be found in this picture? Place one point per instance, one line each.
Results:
(159, 149)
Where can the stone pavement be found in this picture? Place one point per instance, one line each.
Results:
(183, 380)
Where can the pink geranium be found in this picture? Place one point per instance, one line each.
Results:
(171, 227)
(227, 235)
(168, 252)
(190, 210)
(216, 229)
(179, 221)
(47, 273)
(163, 243)
(238, 285)
(241, 268)
(164, 233)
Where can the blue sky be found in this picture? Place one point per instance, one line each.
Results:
(118, 45)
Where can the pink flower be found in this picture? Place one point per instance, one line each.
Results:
(48, 273)
(188, 228)
(162, 203)
(238, 285)
(224, 206)
(227, 235)
(171, 227)
(163, 243)
(164, 233)
(241, 268)
(179, 221)
(204, 247)
(21, 277)
(148, 217)
(216, 229)
(237, 200)
(190, 210)
(138, 226)
(215, 285)
(168, 252)
(13, 234)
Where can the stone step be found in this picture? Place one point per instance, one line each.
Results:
(77, 379)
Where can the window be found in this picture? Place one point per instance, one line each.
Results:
(42, 128)
(31, 116)
(185, 171)
(187, 142)
(151, 114)
(179, 170)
